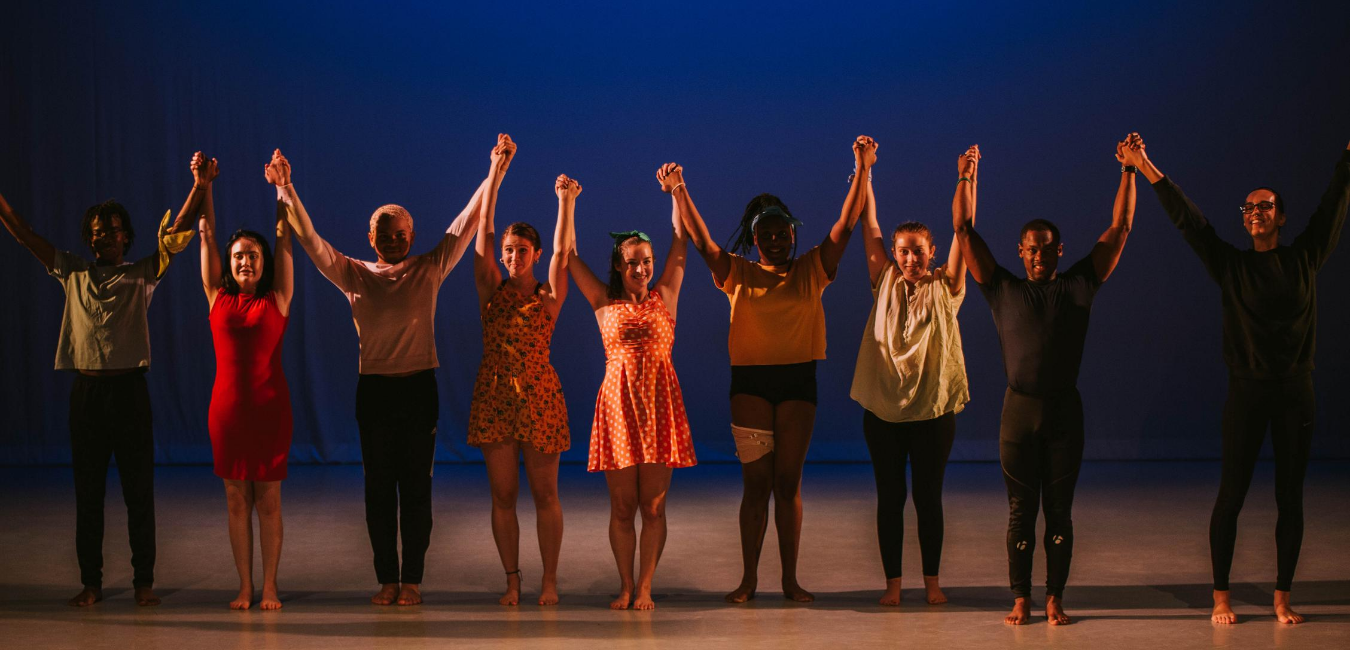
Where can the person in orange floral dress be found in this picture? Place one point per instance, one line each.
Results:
(518, 407)
(640, 431)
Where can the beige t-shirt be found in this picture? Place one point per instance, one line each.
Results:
(910, 364)
(776, 315)
(394, 305)
(104, 324)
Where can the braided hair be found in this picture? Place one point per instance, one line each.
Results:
(743, 239)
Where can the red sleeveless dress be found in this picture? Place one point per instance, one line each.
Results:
(250, 415)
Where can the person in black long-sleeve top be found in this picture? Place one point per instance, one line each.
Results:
(1042, 324)
(1269, 335)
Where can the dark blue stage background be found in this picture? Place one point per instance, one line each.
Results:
(376, 105)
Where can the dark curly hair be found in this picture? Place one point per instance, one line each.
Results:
(104, 211)
(227, 281)
(743, 239)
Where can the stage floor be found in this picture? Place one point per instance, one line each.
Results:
(1140, 576)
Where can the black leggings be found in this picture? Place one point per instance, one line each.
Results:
(397, 418)
(1040, 445)
(1287, 407)
(110, 417)
(927, 443)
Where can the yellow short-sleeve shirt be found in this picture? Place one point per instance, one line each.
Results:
(776, 314)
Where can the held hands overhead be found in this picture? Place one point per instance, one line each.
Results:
(566, 188)
(203, 171)
(865, 152)
(503, 153)
(968, 163)
(278, 171)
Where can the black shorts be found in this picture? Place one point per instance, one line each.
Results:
(777, 383)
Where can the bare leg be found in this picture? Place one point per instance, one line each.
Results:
(542, 470)
(653, 484)
(267, 498)
(757, 478)
(1021, 612)
(623, 503)
(87, 596)
(793, 422)
(892, 596)
(1284, 613)
(934, 592)
(239, 502)
(1054, 611)
(503, 471)
(387, 594)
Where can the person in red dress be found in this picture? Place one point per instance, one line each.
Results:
(250, 416)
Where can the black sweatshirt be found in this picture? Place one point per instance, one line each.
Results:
(1270, 297)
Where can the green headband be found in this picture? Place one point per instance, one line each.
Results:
(620, 237)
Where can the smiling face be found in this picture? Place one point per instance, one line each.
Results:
(913, 253)
(1040, 254)
(635, 267)
(773, 238)
(392, 238)
(519, 256)
(1265, 219)
(107, 239)
(246, 264)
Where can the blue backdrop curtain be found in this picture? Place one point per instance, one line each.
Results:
(401, 104)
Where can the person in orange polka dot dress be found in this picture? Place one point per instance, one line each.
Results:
(518, 407)
(640, 432)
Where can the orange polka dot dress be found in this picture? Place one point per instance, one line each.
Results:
(517, 393)
(639, 413)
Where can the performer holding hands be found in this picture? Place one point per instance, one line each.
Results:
(777, 334)
(518, 406)
(640, 431)
(911, 376)
(1269, 337)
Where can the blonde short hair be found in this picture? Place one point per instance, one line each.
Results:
(391, 210)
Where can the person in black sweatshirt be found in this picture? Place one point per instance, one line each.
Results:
(1269, 333)
(1042, 324)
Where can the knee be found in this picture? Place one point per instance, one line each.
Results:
(653, 511)
(269, 507)
(623, 510)
(545, 498)
(757, 494)
(504, 499)
(787, 488)
(238, 504)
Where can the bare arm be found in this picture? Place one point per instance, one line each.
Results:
(564, 240)
(974, 251)
(832, 249)
(595, 290)
(874, 242)
(672, 275)
(486, 275)
(718, 260)
(203, 173)
(278, 174)
(963, 209)
(35, 243)
(1106, 252)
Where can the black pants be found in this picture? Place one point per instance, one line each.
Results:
(1040, 445)
(397, 417)
(927, 444)
(110, 417)
(1287, 407)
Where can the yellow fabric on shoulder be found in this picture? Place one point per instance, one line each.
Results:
(170, 243)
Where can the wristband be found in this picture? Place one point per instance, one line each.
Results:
(672, 190)
(964, 178)
(1131, 169)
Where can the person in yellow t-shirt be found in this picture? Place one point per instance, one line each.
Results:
(777, 334)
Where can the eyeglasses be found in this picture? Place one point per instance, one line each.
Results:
(1264, 206)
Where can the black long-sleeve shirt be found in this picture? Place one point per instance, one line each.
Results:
(1269, 297)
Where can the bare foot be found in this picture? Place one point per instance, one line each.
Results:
(742, 593)
(622, 601)
(270, 600)
(410, 595)
(387, 594)
(512, 596)
(145, 596)
(88, 596)
(1223, 611)
(934, 595)
(794, 591)
(1054, 611)
(245, 598)
(1283, 612)
(548, 592)
(1021, 612)
(892, 596)
(644, 599)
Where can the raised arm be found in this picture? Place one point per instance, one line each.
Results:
(278, 173)
(874, 241)
(564, 240)
(482, 206)
(672, 275)
(975, 253)
(1324, 228)
(595, 289)
(832, 249)
(486, 275)
(1106, 252)
(718, 260)
(963, 209)
(203, 173)
(35, 243)
(302, 228)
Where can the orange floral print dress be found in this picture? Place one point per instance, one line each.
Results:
(639, 413)
(517, 393)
